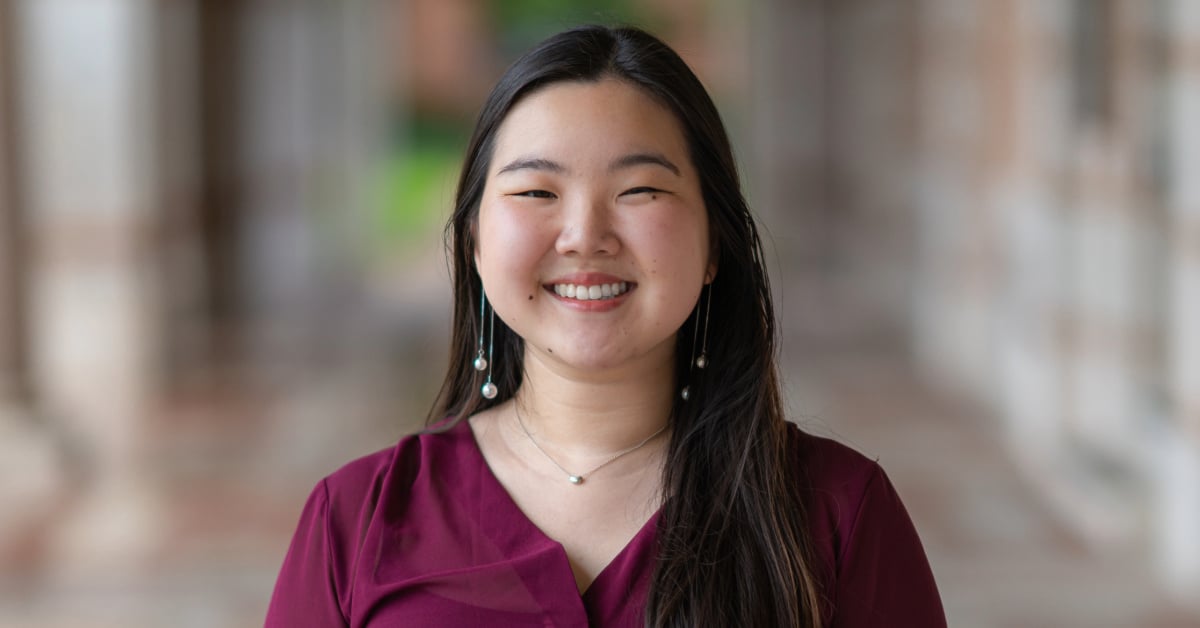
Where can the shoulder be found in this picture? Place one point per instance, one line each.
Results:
(365, 493)
(361, 483)
(871, 557)
(837, 483)
(317, 580)
(830, 466)
(357, 476)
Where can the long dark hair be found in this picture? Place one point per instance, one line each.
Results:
(733, 542)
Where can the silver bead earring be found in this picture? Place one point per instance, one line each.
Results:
(481, 362)
(488, 390)
(702, 361)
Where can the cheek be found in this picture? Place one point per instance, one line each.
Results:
(507, 248)
(676, 244)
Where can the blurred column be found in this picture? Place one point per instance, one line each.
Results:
(30, 476)
(1178, 462)
(871, 136)
(833, 133)
(181, 286)
(1104, 328)
(88, 118)
(219, 88)
(288, 88)
(13, 363)
(966, 124)
(1069, 317)
(994, 302)
(990, 296)
(1116, 333)
(1024, 202)
(789, 171)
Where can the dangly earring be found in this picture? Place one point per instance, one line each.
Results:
(701, 361)
(488, 390)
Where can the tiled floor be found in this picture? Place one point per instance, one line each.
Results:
(226, 472)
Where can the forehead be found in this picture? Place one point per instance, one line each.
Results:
(581, 122)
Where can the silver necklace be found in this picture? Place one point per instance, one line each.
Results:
(578, 478)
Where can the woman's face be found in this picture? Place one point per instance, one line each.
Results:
(592, 237)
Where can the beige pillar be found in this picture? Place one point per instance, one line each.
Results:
(31, 476)
(965, 117)
(1178, 468)
(88, 117)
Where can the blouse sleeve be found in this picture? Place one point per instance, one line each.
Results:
(306, 592)
(883, 576)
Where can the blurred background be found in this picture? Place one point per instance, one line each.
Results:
(222, 276)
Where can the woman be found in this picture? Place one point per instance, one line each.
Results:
(609, 446)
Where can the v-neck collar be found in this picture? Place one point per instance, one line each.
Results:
(506, 525)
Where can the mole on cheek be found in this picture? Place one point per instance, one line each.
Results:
(531, 297)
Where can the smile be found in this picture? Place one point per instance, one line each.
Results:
(591, 293)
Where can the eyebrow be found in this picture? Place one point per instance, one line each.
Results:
(533, 163)
(628, 161)
(638, 159)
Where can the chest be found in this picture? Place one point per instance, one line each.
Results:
(592, 523)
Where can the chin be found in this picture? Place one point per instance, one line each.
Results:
(589, 362)
(596, 359)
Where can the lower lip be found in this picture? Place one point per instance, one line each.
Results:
(592, 305)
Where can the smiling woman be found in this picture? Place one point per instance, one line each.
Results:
(597, 456)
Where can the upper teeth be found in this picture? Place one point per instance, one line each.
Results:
(590, 293)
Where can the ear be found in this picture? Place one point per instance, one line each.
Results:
(474, 234)
(710, 272)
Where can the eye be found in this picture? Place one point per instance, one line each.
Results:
(534, 194)
(642, 190)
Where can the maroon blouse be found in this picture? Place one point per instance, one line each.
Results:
(422, 534)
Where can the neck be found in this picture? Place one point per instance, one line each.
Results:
(591, 415)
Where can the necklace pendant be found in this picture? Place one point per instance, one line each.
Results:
(575, 479)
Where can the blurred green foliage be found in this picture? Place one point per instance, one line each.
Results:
(415, 189)
(523, 23)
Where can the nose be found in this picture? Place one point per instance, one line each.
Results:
(587, 229)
